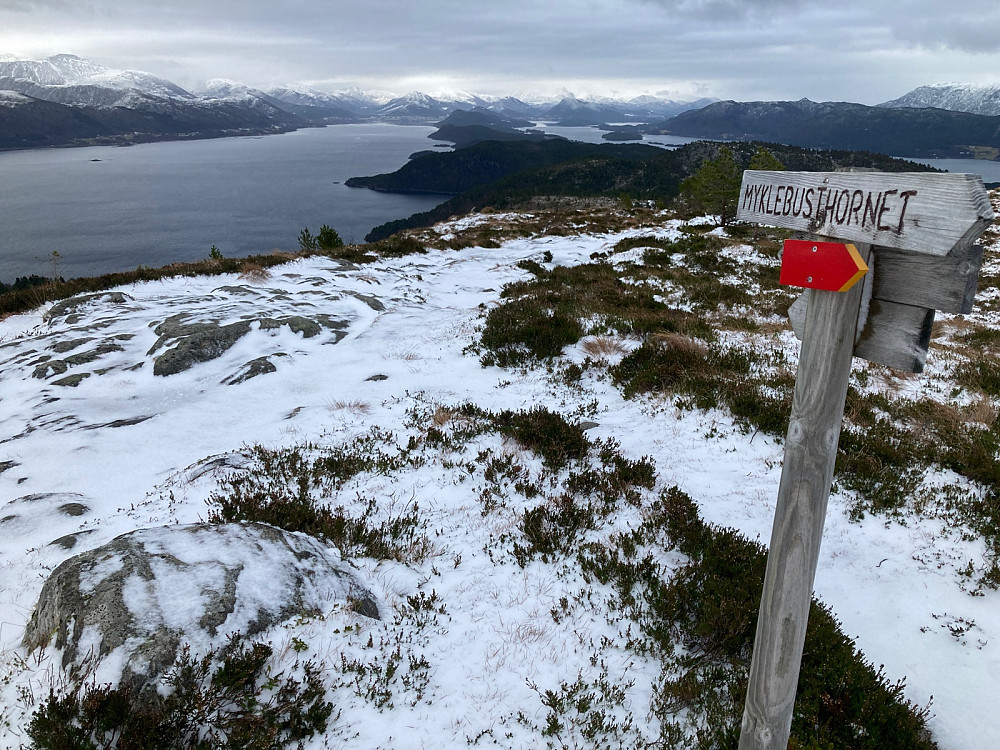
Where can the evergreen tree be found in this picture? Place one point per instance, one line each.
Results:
(765, 160)
(328, 239)
(715, 187)
(308, 242)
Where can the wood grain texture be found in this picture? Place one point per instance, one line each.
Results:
(810, 453)
(896, 335)
(917, 211)
(946, 283)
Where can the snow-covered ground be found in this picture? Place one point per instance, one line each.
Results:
(129, 449)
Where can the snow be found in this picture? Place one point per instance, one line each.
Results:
(959, 97)
(70, 70)
(894, 586)
(223, 88)
(12, 98)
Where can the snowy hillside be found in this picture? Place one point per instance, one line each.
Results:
(960, 97)
(491, 642)
(70, 70)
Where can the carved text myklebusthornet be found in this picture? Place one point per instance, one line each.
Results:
(916, 211)
(885, 210)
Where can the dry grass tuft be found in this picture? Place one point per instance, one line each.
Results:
(602, 347)
(982, 412)
(678, 342)
(355, 406)
(406, 355)
(442, 415)
(254, 273)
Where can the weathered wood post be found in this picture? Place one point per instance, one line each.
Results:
(921, 213)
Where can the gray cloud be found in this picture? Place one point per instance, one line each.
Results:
(853, 50)
(726, 11)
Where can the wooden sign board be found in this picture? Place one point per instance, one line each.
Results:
(918, 211)
(904, 292)
(891, 334)
(944, 283)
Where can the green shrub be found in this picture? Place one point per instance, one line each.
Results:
(710, 605)
(707, 376)
(546, 433)
(397, 246)
(981, 373)
(521, 330)
(289, 487)
(226, 699)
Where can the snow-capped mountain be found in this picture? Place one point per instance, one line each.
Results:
(652, 106)
(70, 70)
(66, 99)
(347, 102)
(55, 70)
(575, 112)
(513, 106)
(361, 100)
(958, 97)
(415, 106)
(223, 88)
(137, 105)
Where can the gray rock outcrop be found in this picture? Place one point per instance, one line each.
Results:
(133, 602)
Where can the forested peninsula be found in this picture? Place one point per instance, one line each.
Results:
(503, 174)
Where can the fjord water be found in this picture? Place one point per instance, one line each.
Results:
(109, 208)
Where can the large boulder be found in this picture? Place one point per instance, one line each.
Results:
(132, 603)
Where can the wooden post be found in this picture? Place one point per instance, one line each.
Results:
(806, 477)
(921, 215)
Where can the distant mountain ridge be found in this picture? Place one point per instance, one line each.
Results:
(957, 97)
(68, 100)
(909, 132)
(122, 106)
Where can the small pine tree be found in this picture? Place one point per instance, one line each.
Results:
(766, 161)
(328, 239)
(308, 242)
(715, 187)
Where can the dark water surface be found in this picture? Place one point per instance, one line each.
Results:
(110, 208)
(989, 170)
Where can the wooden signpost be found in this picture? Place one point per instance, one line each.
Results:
(911, 252)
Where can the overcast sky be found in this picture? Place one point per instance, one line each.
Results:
(864, 51)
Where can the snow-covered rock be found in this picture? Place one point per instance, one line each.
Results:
(135, 601)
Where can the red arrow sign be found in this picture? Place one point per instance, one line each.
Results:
(833, 266)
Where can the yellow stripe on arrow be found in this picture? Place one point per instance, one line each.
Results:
(862, 267)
